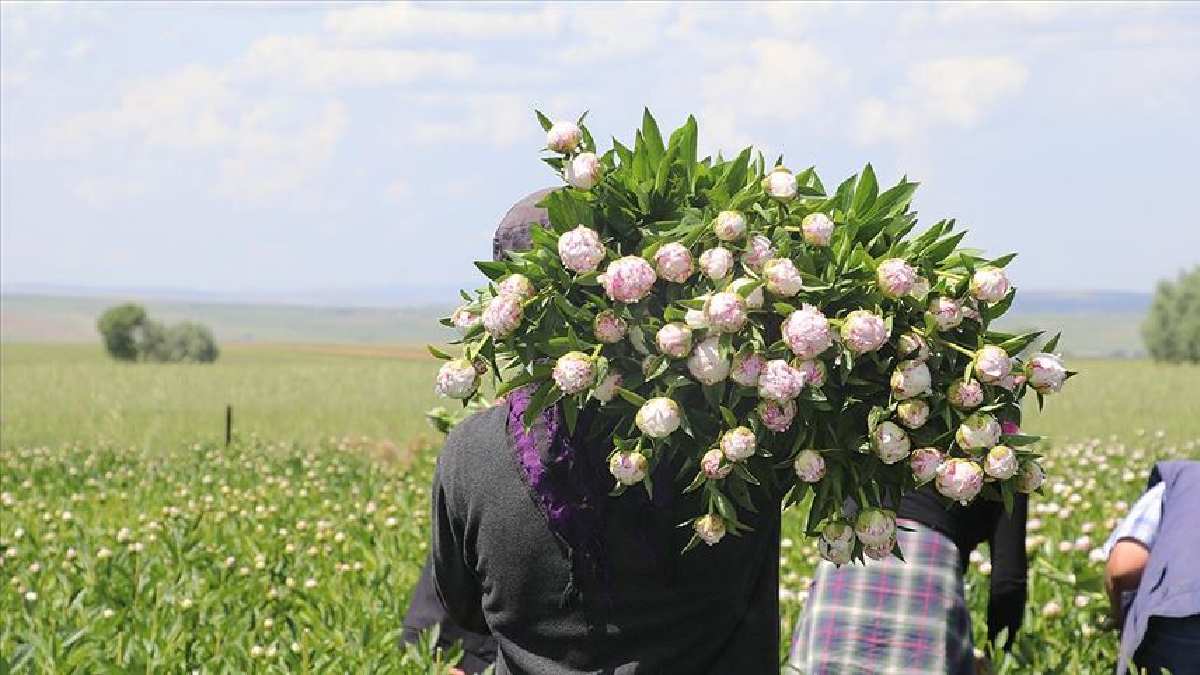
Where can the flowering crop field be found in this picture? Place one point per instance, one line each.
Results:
(130, 541)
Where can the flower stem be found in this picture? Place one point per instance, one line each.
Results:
(961, 350)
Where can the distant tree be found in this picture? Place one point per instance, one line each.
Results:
(1172, 330)
(120, 327)
(191, 341)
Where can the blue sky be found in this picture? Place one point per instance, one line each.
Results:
(269, 146)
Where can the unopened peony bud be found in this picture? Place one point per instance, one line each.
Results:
(925, 463)
(880, 552)
(729, 225)
(1011, 381)
(965, 395)
(754, 299)
(457, 379)
(989, 284)
(1031, 477)
(809, 466)
(838, 555)
(913, 346)
(946, 313)
(574, 372)
(838, 533)
(863, 331)
(725, 312)
(674, 340)
(783, 279)
(673, 262)
(780, 184)
(959, 479)
(978, 431)
(696, 319)
(583, 171)
(608, 327)
(910, 379)
(714, 466)
(607, 389)
(706, 363)
(913, 413)
(658, 417)
(919, 290)
(581, 250)
(738, 443)
(563, 137)
(747, 368)
(806, 332)
(716, 263)
(628, 279)
(710, 528)
(1001, 462)
(890, 442)
(992, 364)
(502, 316)
(777, 416)
(814, 372)
(627, 467)
(780, 381)
(464, 319)
(895, 277)
(817, 229)
(516, 285)
(875, 527)
(1046, 373)
(758, 251)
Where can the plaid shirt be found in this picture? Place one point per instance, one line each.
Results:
(1142, 522)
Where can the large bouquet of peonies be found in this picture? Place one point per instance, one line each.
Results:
(767, 333)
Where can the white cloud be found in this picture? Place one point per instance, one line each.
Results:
(499, 120)
(306, 61)
(100, 192)
(80, 49)
(404, 19)
(399, 190)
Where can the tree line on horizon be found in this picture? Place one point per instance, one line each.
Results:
(129, 334)
(1172, 329)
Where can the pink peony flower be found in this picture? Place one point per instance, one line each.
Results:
(783, 279)
(563, 137)
(779, 381)
(978, 431)
(658, 417)
(574, 372)
(814, 372)
(817, 229)
(992, 364)
(863, 331)
(457, 378)
(1011, 381)
(674, 262)
(517, 285)
(706, 363)
(895, 277)
(628, 468)
(674, 340)
(965, 395)
(502, 316)
(946, 312)
(726, 312)
(608, 327)
(913, 413)
(716, 263)
(875, 527)
(628, 279)
(758, 252)
(809, 466)
(714, 466)
(806, 331)
(581, 249)
(910, 379)
(607, 389)
(775, 415)
(1001, 462)
(780, 184)
(925, 463)
(890, 442)
(754, 299)
(747, 369)
(959, 479)
(989, 284)
(710, 528)
(729, 225)
(738, 443)
(464, 319)
(583, 171)
(1046, 373)
(913, 346)
(1031, 477)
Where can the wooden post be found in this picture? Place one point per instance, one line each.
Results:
(228, 424)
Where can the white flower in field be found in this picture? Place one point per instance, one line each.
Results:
(457, 378)
(716, 263)
(66, 516)
(1082, 543)
(295, 647)
(256, 651)
(817, 229)
(563, 136)
(627, 467)
(895, 277)
(729, 225)
(754, 299)
(947, 312)
(581, 250)
(910, 379)
(103, 553)
(864, 331)
(310, 583)
(890, 442)
(186, 603)
(738, 443)
(31, 596)
(710, 528)
(1046, 373)
(706, 363)
(674, 340)
(809, 466)
(806, 332)
(913, 413)
(1001, 462)
(607, 389)
(780, 184)
(726, 311)
(7, 499)
(583, 171)
(782, 277)
(658, 417)
(107, 613)
(71, 554)
(1097, 556)
(673, 262)
(123, 535)
(985, 568)
(574, 372)
(1064, 546)
(989, 284)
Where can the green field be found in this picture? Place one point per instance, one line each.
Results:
(131, 541)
